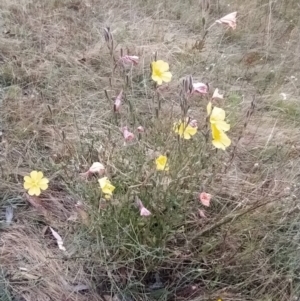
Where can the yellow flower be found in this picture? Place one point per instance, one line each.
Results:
(35, 183)
(217, 118)
(185, 130)
(220, 139)
(106, 187)
(162, 163)
(160, 72)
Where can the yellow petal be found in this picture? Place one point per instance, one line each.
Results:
(43, 186)
(220, 139)
(33, 175)
(223, 126)
(44, 181)
(162, 163)
(186, 136)
(208, 108)
(217, 114)
(218, 144)
(162, 66)
(27, 185)
(191, 130)
(225, 139)
(34, 191)
(166, 77)
(39, 175)
(108, 189)
(157, 79)
(27, 179)
(103, 182)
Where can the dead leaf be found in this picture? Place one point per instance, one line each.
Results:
(83, 214)
(37, 204)
(73, 217)
(24, 275)
(9, 214)
(202, 213)
(60, 242)
(80, 287)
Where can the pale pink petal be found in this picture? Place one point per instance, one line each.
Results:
(145, 212)
(217, 95)
(205, 198)
(139, 203)
(129, 60)
(96, 167)
(118, 102)
(200, 88)
(128, 136)
(140, 129)
(202, 213)
(229, 20)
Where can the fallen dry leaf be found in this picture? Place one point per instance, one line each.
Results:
(60, 242)
(83, 214)
(73, 217)
(202, 213)
(37, 204)
(9, 214)
(80, 287)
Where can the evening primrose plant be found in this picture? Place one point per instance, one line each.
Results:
(151, 174)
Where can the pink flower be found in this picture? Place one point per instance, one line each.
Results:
(129, 60)
(140, 129)
(96, 167)
(128, 136)
(205, 198)
(229, 20)
(216, 95)
(200, 88)
(193, 123)
(118, 102)
(143, 210)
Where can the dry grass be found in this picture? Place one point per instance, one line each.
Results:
(54, 70)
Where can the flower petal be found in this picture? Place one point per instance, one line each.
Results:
(225, 139)
(157, 79)
(44, 181)
(188, 131)
(223, 126)
(27, 179)
(209, 108)
(205, 198)
(166, 77)
(186, 136)
(39, 175)
(27, 185)
(109, 188)
(34, 191)
(43, 186)
(102, 182)
(33, 175)
(162, 66)
(217, 114)
(144, 212)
